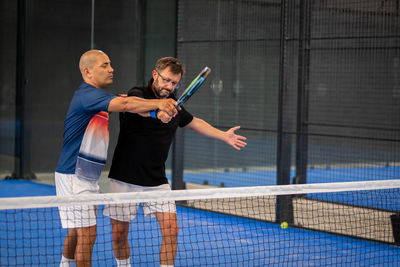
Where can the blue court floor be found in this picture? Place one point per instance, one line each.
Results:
(322, 175)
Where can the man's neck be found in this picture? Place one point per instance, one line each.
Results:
(154, 91)
(91, 83)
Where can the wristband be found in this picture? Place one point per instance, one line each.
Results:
(153, 113)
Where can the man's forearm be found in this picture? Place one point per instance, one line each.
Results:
(202, 127)
(140, 105)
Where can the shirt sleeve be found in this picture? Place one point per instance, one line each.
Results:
(97, 100)
(186, 118)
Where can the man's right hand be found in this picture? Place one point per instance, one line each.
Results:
(164, 117)
(168, 105)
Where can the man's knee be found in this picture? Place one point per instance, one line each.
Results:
(87, 234)
(171, 228)
(120, 230)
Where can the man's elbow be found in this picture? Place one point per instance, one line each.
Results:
(121, 105)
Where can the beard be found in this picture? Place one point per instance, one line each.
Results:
(161, 92)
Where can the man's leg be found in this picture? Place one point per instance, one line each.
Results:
(86, 237)
(169, 231)
(80, 240)
(70, 244)
(69, 248)
(120, 242)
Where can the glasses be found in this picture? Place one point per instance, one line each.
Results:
(165, 80)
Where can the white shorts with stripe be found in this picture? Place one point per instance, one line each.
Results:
(128, 212)
(76, 216)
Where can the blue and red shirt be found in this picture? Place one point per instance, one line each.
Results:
(86, 135)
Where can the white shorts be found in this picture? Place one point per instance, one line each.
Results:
(76, 216)
(127, 212)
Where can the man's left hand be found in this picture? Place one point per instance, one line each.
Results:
(233, 139)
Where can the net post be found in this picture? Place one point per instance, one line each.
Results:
(177, 161)
(284, 207)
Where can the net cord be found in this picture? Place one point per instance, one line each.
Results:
(192, 194)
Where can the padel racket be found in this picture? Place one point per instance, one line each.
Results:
(193, 86)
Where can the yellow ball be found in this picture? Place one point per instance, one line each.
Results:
(284, 225)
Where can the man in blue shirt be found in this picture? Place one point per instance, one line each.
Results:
(85, 147)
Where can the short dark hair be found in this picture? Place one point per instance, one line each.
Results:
(175, 65)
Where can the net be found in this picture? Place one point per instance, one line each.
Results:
(350, 223)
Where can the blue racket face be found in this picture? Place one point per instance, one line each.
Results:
(191, 91)
(194, 85)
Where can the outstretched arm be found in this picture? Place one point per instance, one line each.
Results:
(229, 137)
(137, 105)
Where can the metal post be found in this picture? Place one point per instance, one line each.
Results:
(21, 151)
(302, 93)
(92, 26)
(178, 145)
(178, 161)
(140, 44)
(284, 207)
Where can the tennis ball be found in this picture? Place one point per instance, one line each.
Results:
(284, 225)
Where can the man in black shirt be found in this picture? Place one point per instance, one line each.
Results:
(139, 160)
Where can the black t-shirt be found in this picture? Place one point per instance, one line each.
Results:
(143, 144)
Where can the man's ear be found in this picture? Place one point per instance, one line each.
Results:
(87, 72)
(154, 73)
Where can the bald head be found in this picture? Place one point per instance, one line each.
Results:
(89, 58)
(96, 69)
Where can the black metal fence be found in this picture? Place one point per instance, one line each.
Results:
(315, 85)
